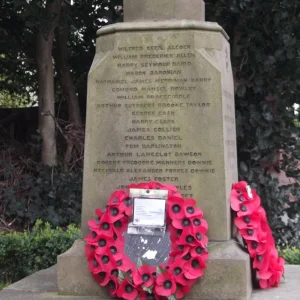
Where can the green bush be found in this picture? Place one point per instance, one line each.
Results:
(50, 194)
(291, 255)
(22, 254)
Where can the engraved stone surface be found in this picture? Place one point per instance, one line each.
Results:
(137, 10)
(161, 107)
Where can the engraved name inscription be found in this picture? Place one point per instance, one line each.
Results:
(155, 89)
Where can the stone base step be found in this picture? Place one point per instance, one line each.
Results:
(42, 286)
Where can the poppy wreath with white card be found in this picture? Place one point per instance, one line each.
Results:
(112, 268)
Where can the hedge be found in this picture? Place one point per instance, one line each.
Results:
(23, 253)
(291, 255)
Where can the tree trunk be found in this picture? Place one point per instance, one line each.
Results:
(46, 97)
(67, 84)
(65, 76)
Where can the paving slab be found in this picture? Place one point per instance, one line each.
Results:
(42, 286)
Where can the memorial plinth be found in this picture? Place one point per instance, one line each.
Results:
(161, 107)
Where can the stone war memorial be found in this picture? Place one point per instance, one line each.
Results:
(161, 108)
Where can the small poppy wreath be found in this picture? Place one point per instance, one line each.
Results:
(253, 227)
(112, 268)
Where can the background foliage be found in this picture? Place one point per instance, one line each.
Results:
(265, 40)
(22, 254)
(50, 194)
(291, 255)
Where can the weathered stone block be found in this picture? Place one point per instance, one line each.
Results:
(228, 274)
(73, 276)
(157, 10)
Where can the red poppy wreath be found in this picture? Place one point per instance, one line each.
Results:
(112, 268)
(253, 227)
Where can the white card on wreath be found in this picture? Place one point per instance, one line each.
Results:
(149, 212)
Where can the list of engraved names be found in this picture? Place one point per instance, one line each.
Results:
(159, 90)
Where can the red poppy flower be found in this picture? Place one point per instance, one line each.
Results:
(249, 234)
(143, 275)
(262, 261)
(272, 276)
(120, 226)
(249, 221)
(166, 285)
(147, 296)
(102, 243)
(190, 210)
(124, 263)
(174, 233)
(199, 222)
(200, 252)
(92, 238)
(182, 290)
(194, 268)
(175, 207)
(105, 226)
(114, 214)
(121, 201)
(102, 278)
(243, 204)
(249, 208)
(187, 238)
(117, 246)
(180, 251)
(200, 236)
(94, 224)
(193, 238)
(106, 262)
(89, 251)
(193, 222)
(265, 242)
(95, 266)
(117, 198)
(237, 198)
(124, 205)
(127, 290)
(113, 285)
(255, 248)
(241, 185)
(177, 270)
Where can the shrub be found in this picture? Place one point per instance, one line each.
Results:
(22, 254)
(291, 255)
(50, 194)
